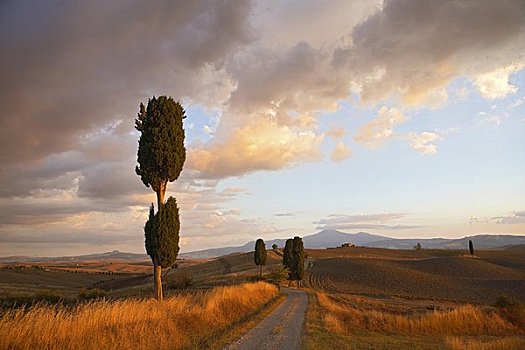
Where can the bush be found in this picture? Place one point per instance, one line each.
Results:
(278, 275)
(49, 297)
(512, 309)
(256, 278)
(180, 281)
(91, 294)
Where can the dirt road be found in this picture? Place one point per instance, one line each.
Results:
(281, 330)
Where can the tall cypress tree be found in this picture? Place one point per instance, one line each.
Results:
(160, 157)
(260, 255)
(471, 247)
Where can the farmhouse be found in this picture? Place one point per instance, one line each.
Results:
(347, 245)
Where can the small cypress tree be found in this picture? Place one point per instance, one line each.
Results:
(162, 239)
(299, 257)
(471, 247)
(288, 258)
(274, 246)
(260, 255)
(149, 232)
(418, 246)
(167, 224)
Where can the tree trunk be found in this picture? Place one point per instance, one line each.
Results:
(160, 194)
(157, 281)
(260, 271)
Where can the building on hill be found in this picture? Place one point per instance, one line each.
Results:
(347, 245)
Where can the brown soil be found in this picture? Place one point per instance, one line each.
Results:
(449, 276)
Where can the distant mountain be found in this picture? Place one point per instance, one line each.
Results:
(334, 238)
(320, 240)
(114, 255)
(479, 241)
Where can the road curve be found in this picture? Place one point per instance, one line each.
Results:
(280, 330)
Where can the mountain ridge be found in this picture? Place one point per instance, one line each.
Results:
(334, 238)
(320, 240)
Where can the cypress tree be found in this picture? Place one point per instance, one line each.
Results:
(260, 255)
(471, 247)
(149, 232)
(160, 157)
(288, 258)
(161, 154)
(299, 256)
(162, 238)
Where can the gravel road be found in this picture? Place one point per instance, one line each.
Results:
(281, 330)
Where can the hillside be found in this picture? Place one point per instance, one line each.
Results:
(114, 255)
(427, 274)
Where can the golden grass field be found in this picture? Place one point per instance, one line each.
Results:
(180, 322)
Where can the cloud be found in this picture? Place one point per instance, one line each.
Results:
(518, 102)
(496, 120)
(364, 226)
(258, 146)
(495, 84)
(283, 214)
(378, 130)
(423, 142)
(411, 49)
(75, 66)
(335, 132)
(76, 72)
(363, 221)
(517, 217)
(341, 152)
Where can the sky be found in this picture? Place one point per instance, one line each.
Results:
(403, 118)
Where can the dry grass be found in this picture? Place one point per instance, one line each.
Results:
(179, 322)
(497, 344)
(464, 320)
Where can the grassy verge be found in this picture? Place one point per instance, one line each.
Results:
(320, 337)
(331, 323)
(180, 322)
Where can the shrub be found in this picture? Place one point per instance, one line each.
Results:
(49, 297)
(90, 294)
(180, 281)
(255, 278)
(512, 309)
(277, 275)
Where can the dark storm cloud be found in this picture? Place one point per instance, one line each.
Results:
(74, 65)
(68, 238)
(414, 47)
(49, 210)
